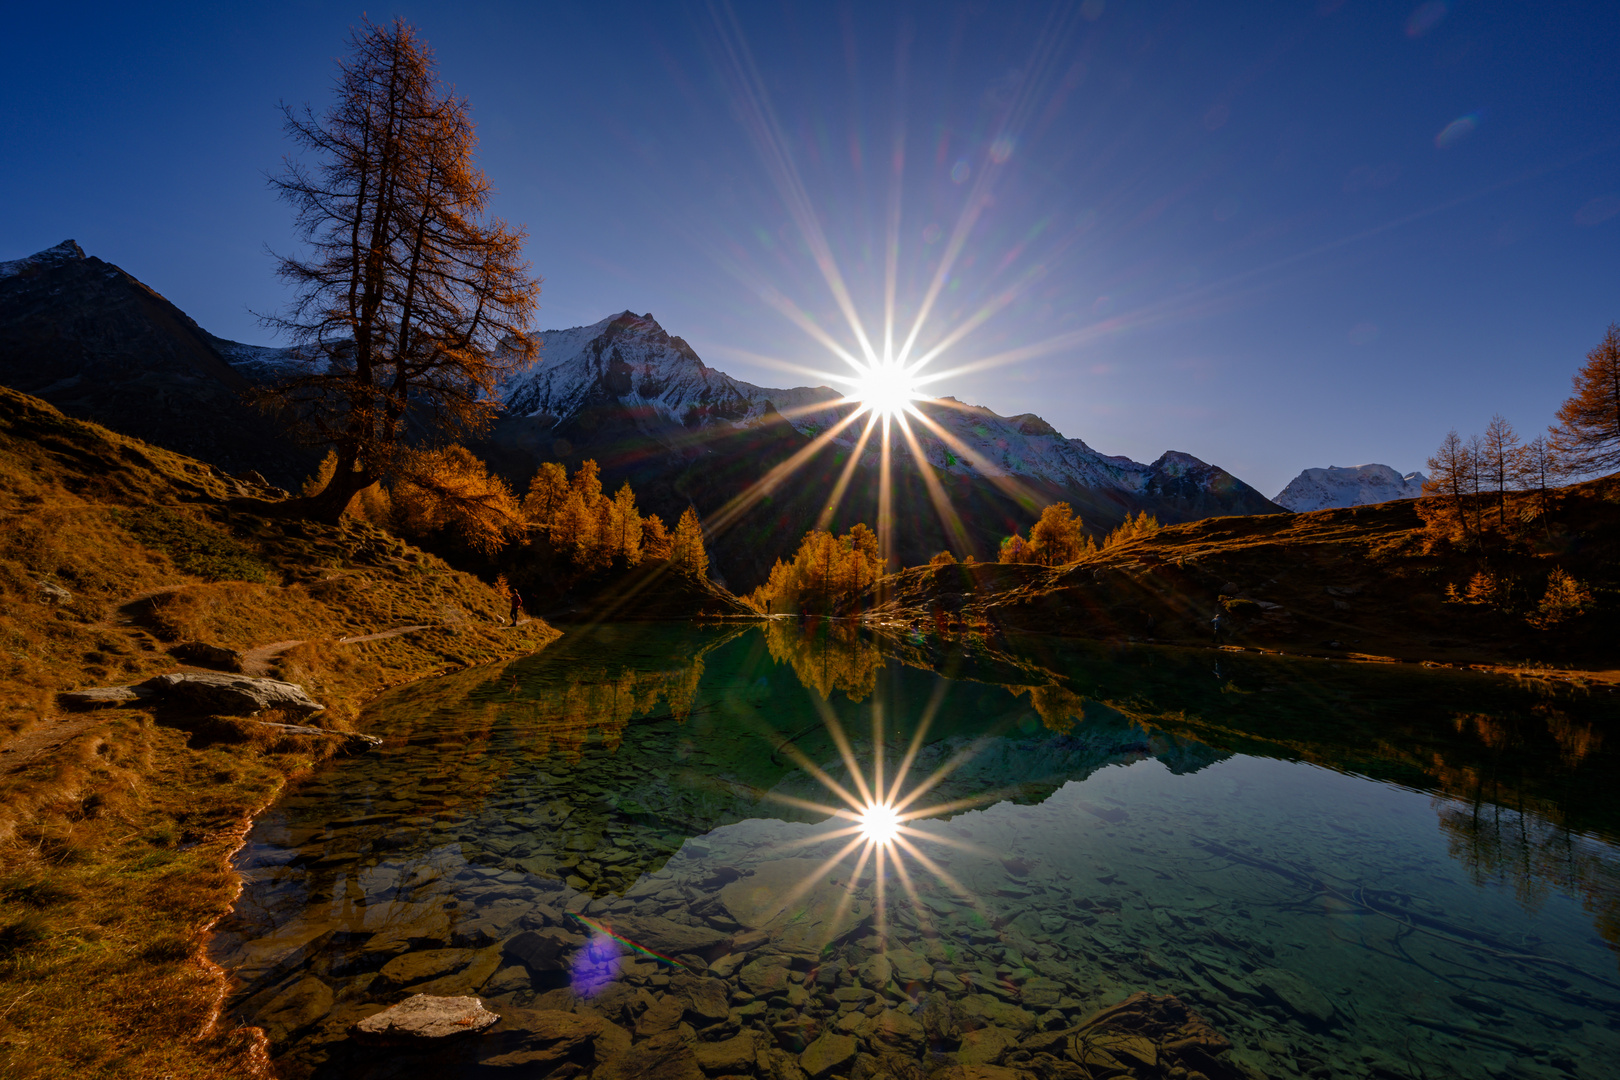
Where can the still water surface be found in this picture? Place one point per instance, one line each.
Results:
(1345, 870)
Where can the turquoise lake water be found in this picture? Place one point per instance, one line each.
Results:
(1346, 870)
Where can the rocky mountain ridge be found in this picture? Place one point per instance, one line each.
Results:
(1337, 487)
(632, 360)
(99, 345)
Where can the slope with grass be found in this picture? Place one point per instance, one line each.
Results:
(115, 825)
(1368, 580)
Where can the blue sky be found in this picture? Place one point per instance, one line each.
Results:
(1273, 235)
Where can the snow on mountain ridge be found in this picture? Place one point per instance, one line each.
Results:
(66, 251)
(1338, 486)
(629, 360)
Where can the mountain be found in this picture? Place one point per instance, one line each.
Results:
(99, 345)
(1338, 487)
(650, 411)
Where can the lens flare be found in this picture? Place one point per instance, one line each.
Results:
(880, 823)
(886, 390)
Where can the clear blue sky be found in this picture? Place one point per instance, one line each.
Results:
(1274, 235)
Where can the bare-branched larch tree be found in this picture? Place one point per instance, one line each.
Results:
(411, 303)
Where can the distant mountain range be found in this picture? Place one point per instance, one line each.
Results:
(97, 343)
(1337, 486)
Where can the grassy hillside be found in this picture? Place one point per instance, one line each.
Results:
(1369, 580)
(115, 824)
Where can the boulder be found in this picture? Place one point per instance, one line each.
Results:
(98, 696)
(231, 695)
(53, 594)
(214, 656)
(424, 1018)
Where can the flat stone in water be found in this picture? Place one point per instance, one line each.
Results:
(425, 1018)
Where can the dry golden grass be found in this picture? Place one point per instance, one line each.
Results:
(115, 826)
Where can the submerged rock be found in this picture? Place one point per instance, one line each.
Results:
(425, 1018)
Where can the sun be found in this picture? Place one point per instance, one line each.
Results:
(879, 823)
(887, 389)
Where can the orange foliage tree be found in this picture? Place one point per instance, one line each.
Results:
(411, 302)
(1588, 428)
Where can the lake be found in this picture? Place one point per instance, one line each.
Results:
(803, 849)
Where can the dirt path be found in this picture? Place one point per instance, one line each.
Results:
(45, 738)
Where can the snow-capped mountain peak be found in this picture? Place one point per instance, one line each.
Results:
(65, 252)
(630, 362)
(1339, 486)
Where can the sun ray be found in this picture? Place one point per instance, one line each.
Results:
(844, 478)
(743, 502)
(948, 516)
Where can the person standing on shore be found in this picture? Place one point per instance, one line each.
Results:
(517, 602)
(1218, 626)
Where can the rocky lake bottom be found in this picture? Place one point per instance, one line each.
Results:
(625, 847)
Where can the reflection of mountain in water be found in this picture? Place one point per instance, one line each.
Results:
(594, 761)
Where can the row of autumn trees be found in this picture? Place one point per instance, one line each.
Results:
(1059, 537)
(1472, 477)
(583, 529)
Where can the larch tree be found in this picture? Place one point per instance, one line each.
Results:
(1498, 451)
(1587, 434)
(1451, 471)
(411, 303)
(1057, 537)
(687, 553)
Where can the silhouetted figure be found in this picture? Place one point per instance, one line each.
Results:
(517, 602)
(1217, 626)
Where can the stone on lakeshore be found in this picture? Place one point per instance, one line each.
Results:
(731, 1056)
(96, 696)
(232, 695)
(662, 1057)
(828, 1054)
(215, 656)
(664, 1015)
(424, 1018)
(298, 1007)
(1294, 991)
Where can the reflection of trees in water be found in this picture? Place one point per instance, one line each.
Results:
(827, 655)
(1503, 835)
(1058, 708)
(559, 720)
